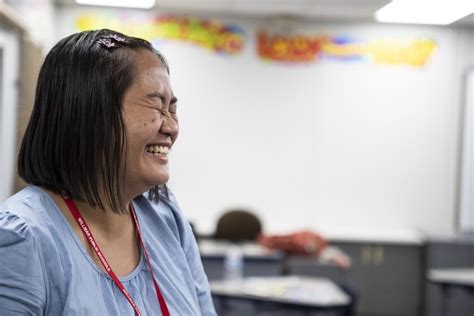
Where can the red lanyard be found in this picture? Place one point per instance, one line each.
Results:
(85, 229)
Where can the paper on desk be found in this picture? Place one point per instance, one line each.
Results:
(295, 289)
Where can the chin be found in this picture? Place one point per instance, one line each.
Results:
(159, 180)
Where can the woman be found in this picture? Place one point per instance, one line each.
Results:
(84, 238)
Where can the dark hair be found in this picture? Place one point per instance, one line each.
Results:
(75, 139)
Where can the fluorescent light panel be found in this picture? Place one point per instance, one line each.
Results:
(138, 4)
(441, 12)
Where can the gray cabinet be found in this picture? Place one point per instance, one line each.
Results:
(388, 278)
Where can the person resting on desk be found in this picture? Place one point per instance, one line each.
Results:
(306, 243)
(96, 232)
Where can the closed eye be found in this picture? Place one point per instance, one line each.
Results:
(154, 108)
(172, 107)
(158, 95)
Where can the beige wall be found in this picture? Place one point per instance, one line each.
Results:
(30, 63)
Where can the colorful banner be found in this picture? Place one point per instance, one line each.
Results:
(214, 36)
(297, 49)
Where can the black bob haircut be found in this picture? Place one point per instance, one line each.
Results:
(75, 139)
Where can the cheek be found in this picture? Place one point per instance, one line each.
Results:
(142, 129)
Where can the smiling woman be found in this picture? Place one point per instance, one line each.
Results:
(97, 223)
(149, 108)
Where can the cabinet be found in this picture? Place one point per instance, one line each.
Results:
(387, 277)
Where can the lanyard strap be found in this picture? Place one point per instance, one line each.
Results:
(161, 300)
(88, 234)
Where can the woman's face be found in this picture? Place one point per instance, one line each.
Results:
(149, 112)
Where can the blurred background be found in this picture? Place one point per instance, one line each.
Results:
(350, 119)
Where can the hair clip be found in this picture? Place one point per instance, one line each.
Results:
(106, 42)
(116, 37)
(111, 40)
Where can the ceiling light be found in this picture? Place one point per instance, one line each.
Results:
(425, 11)
(137, 4)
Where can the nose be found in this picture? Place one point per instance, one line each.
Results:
(170, 127)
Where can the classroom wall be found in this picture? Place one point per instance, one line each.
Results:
(9, 67)
(338, 147)
(37, 18)
(25, 29)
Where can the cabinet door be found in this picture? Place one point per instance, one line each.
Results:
(396, 280)
(388, 278)
(358, 277)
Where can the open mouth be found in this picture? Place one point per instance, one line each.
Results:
(158, 150)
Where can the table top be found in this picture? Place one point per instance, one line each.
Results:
(301, 291)
(452, 276)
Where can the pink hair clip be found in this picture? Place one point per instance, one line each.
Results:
(106, 42)
(111, 40)
(116, 37)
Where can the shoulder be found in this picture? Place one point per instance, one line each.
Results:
(24, 211)
(22, 270)
(15, 228)
(28, 217)
(21, 218)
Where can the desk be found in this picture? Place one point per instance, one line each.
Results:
(444, 252)
(258, 261)
(303, 294)
(453, 277)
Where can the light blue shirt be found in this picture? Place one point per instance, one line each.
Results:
(45, 270)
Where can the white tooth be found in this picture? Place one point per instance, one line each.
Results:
(162, 149)
(156, 148)
(167, 150)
